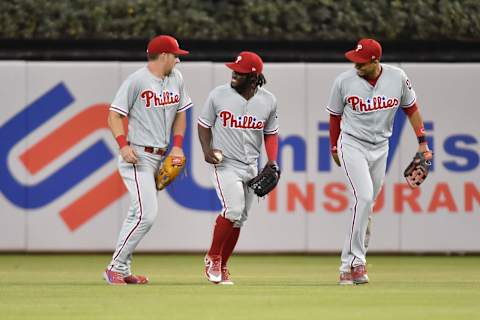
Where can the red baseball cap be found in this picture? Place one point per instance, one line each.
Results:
(247, 62)
(366, 50)
(165, 44)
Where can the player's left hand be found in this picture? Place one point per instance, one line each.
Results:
(170, 169)
(266, 180)
(423, 147)
(334, 153)
(273, 164)
(177, 152)
(417, 171)
(336, 159)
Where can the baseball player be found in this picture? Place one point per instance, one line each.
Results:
(364, 101)
(154, 100)
(233, 124)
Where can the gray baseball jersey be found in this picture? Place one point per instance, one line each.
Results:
(367, 120)
(368, 111)
(151, 105)
(238, 125)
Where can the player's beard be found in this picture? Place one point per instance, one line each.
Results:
(243, 85)
(240, 87)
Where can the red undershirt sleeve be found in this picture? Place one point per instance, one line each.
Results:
(334, 131)
(410, 110)
(271, 146)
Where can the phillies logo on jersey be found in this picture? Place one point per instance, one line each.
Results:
(152, 99)
(372, 104)
(241, 122)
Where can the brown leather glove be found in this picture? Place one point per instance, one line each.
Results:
(170, 169)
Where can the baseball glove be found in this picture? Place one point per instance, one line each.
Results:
(266, 180)
(170, 169)
(417, 170)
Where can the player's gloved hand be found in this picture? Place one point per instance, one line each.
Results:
(170, 169)
(274, 165)
(266, 180)
(417, 171)
(213, 156)
(128, 154)
(335, 155)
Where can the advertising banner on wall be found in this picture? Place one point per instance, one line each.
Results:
(61, 191)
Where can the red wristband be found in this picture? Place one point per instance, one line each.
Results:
(178, 140)
(122, 141)
(420, 131)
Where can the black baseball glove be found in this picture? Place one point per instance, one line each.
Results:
(266, 180)
(417, 170)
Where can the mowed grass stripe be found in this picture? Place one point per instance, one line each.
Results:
(266, 287)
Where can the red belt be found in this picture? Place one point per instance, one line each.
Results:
(153, 150)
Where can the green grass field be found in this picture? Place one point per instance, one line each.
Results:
(266, 287)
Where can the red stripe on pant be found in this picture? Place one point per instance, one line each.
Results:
(141, 213)
(354, 194)
(221, 192)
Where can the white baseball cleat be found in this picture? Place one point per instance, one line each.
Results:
(213, 268)
(359, 275)
(226, 276)
(114, 278)
(345, 278)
